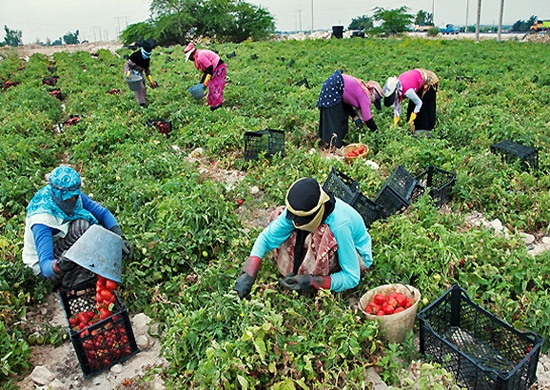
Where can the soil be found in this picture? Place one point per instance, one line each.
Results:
(62, 361)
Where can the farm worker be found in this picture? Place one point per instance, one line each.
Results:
(341, 96)
(139, 62)
(318, 241)
(420, 86)
(213, 73)
(57, 215)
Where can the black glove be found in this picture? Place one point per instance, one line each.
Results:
(244, 283)
(299, 283)
(65, 264)
(126, 247)
(371, 125)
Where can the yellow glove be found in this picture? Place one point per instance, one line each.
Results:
(395, 121)
(150, 79)
(207, 79)
(412, 118)
(128, 73)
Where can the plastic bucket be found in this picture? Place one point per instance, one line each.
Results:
(197, 91)
(134, 82)
(394, 327)
(98, 250)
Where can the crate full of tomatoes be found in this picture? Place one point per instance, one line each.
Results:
(99, 326)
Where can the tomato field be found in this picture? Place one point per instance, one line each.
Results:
(191, 231)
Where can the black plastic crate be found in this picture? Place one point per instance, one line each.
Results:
(266, 141)
(369, 210)
(342, 186)
(481, 350)
(512, 151)
(105, 343)
(402, 182)
(440, 183)
(390, 201)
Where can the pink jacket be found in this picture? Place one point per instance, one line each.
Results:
(356, 96)
(206, 58)
(410, 79)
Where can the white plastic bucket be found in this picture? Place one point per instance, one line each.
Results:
(394, 327)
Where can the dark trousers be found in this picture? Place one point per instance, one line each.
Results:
(425, 120)
(333, 123)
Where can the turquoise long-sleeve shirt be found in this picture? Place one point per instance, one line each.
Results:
(350, 233)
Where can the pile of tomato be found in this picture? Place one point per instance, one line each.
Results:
(382, 305)
(356, 152)
(105, 302)
(109, 342)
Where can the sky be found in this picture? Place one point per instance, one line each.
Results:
(98, 20)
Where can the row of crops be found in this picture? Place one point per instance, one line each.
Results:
(186, 227)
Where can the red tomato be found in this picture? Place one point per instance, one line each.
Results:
(401, 300)
(82, 317)
(73, 321)
(380, 313)
(392, 302)
(104, 313)
(398, 310)
(106, 294)
(387, 309)
(379, 299)
(111, 285)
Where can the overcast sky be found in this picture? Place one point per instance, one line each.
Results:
(104, 19)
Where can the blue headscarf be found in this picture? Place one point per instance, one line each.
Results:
(61, 197)
(332, 91)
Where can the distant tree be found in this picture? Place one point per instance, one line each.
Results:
(13, 37)
(394, 21)
(361, 23)
(57, 42)
(520, 26)
(424, 18)
(178, 21)
(71, 39)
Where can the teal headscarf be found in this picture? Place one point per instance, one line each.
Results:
(61, 197)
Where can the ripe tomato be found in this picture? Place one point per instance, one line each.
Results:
(73, 321)
(82, 317)
(106, 294)
(392, 302)
(387, 309)
(379, 299)
(111, 285)
(401, 299)
(398, 310)
(104, 312)
(380, 313)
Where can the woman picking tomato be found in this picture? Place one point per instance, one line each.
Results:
(420, 87)
(318, 241)
(139, 62)
(213, 73)
(344, 96)
(57, 216)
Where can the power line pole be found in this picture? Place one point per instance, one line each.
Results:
(467, 6)
(311, 16)
(300, 13)
(500, 19)
(478, 19)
